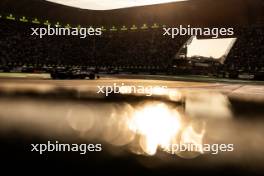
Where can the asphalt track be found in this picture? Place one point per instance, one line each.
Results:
(41, 82)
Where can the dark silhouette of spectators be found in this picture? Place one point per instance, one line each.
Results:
(247, 53)
(143, 49)
(146, 49)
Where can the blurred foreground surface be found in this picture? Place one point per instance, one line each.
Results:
(135, 130)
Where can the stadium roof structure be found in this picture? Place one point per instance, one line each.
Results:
(109, 4)
(194, 12)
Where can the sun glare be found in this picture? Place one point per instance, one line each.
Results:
(109, 4)
(157, 124)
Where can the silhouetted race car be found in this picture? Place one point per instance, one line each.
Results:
(62, 73)
(5, 69)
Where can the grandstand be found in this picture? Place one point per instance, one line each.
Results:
(113, 49)
(247, 54)
(130, 42)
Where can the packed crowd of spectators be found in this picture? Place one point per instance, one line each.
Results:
(247, 54)
(144, 49)
(137, 48)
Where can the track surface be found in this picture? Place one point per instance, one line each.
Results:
(41, 82)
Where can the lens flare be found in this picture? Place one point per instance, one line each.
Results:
(208, 105)
(192, 138)
(175, 95)
(157, 125)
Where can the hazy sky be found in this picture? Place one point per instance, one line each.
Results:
(109, 4)
(210, 48)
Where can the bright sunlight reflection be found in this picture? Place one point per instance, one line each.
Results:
(157, 124)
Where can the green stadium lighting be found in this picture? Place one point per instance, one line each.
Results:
(68, 26)
(155, 26)
(103, 28)
(113, 29)
(134, 27)
(144, 26)
(36, 21)
(47, 23)
(10, 17)
(23, 19)
(124, 28)
(58, 24)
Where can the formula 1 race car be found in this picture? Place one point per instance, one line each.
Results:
(63, 73)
